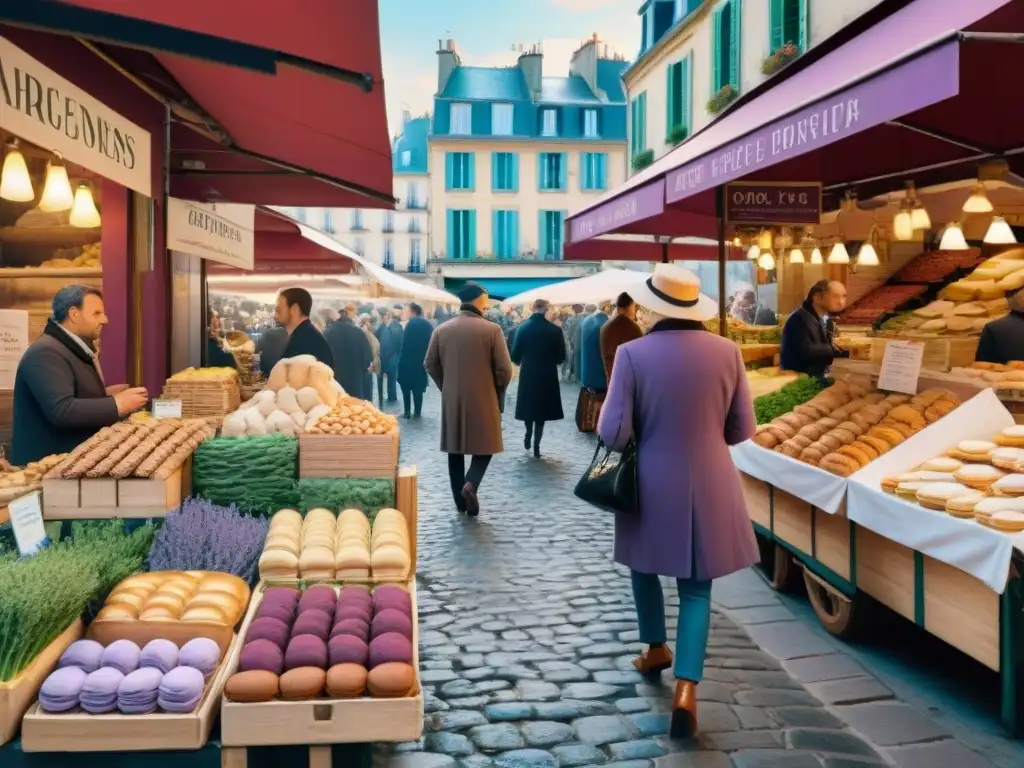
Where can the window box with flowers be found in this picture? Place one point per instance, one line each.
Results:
(725, 96)
(642, 159)
(780, 58)
(678, 135)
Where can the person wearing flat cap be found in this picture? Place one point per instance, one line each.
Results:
(468, 360)
(681, 394)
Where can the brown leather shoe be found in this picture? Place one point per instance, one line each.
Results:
(653, 661)
(684, 711)
(470, 498)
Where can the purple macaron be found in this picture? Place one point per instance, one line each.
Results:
(391, 620)
(312, 622)
(281, 611)
(84, 654)
(122, 655)
(392, 596)
(355, 594)
(99, 691)
(346, 649)
(319, 596)
(181, 689)
(268, 628)
(305, 651)
(159, 654)
(283, 595)
(355, 627)
(61, 690)
(261, 654)
(353, 611)
(138, 692)
(202, 653)
(389, 647)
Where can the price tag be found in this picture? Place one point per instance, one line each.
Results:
(27, 521)
(901, 367)
(166, 409)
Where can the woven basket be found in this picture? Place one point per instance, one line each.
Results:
(588, 410)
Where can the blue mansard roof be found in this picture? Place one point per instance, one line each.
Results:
(413, 140)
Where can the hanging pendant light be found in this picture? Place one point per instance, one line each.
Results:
(903, 225)
(919, 218)
(57, 192)
(953, 239)
(15, 183)
(796, 256)
(765, 240)
(999, 232)
(766, 261)
(736, 241)
(83, 212)
(867, 256)
(816, 257)
(839, 254)
(978, 202)
(753, 252)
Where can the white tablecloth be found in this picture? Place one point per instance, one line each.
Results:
(815, 486)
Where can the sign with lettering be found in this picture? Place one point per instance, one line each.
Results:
(635, 205)
(920, 82)
(40, 106)
(13, 343)
(27, 521)
(753, 203)
(222, 232)
(901, 366)
(166, 409)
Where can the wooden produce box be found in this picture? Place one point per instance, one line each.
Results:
(323, 720)
(344, 456)
(79, 731)
(103, 497)
(17, 695)
(940, 352)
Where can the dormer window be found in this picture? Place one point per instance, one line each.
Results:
(461, 120)
(406, 158)
(590, 124)
(549, 122)
(501, 119)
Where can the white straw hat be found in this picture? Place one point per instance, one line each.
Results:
(674, 292)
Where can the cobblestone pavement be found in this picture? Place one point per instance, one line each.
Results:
(527, 632)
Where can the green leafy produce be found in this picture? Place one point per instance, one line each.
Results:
(256, 474)
(769, 407)
(41, 596)
(368, 495)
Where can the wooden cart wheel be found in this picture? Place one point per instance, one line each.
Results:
(784, 570)
(839, 614)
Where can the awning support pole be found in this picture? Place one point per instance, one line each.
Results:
(664, 252)
(720, 211)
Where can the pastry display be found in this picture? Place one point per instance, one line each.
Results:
(352, 416)
(16, 482)
(154, 448)
(78, 257)
(338, 643)
(122, 677)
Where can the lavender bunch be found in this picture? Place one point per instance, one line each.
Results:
(205, 537)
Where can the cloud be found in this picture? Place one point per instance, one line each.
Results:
(582, 5)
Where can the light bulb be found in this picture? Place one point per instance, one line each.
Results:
(839, 254)
(736, 241)
(766, 261)
(953, 239)
(999, 232)
(83, 212)
(919, 218)
(816, 257)
(57, 193)
(867, 256)
(903, 226)
(796, 256)
(753, 252)
(978, 202)
(15, 183)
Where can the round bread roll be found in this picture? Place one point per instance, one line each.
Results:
(206, 613)
(171, 602)
(181, 591)
(127, 598)
(278, 561)
(346, 681)
(302, 683)
(159, 613)
(117, 612)
(219, 600)
(289, 517)
(316, 558)
(353, 517)
(391, 681)
(390, 561)
(253, 686)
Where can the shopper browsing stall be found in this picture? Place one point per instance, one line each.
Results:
(60, 399)
(294, 306)
(807, 345)
(1002, 340)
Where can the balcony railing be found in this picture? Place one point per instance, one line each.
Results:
(416, 205)
(416, 268)
(415, 228)
(523, 257)
(388, 229)
(358, 226)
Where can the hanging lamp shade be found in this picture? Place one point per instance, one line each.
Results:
(839, 254)
(15, 183)
(796, 256)
(753, 252)
(867, 256)
(953, 239)
(57, 192)
(978, 202)
(919, 218)
(999, 232)
(766, 261)
(816, 257)
(903, 225)
(83, 212)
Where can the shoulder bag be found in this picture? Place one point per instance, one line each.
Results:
(611, 482)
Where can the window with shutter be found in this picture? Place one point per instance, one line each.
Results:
(592, 171)
(328, 221)
(638, 123)
(551, 172)
(788, 24)
(501, 119)
(459, 171)
(504, 172)
(461, 234)
(590, 123)
(414, 256)
(550, 226)
(506, 234)
(460, 119)
(389, 255)
(726, 48)
(549, 122)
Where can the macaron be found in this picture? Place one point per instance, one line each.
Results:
(312, 622)
(348, 649)
(99, 691)
(261, 654)
(346, 681)
(281, 611)
(138, 692)
(391, 620)
(202, 653)
(320, 596)
(353, 610)
(305, 651)
(302, 683)
(181, 689)
(355, 627)
(391, 680)
(355, 594)
(268, 628)
(61, 690)
(392, 596)
(390, 647)
(159, 654)
(122, 655)
(284, 595)
(252, 686)
(84, 654)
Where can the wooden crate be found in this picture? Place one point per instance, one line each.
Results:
(757, 495)
(17, 695)
(79, 731)
(940, 352)
(885, 570)
(792, 521)
(133, 497)
(98, 492)
(61, 494)
(322, 721)
(832, 542)
(407, 502)
(961, 610)
(342, 456)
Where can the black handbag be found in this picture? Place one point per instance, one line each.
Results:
(611, 481)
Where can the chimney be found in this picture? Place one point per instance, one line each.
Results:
(584, 61)
(531, 62)
(447, 61)
(406, 117)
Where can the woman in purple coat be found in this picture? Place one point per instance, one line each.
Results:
(682, 394)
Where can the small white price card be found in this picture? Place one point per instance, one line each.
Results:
(901, 367)
(27, 521)
(166, 409)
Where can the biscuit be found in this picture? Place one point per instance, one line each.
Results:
(879, 445)
(844, 436)
(888, 434)
(832, 442)
(1011, 436)
(855, 453)
(852, 427)
(812, 431)
(866, 448)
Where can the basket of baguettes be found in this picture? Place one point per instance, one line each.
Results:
(849, 425)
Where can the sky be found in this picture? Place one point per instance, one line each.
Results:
(484, 32)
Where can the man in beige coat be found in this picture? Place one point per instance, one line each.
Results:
(469, 361)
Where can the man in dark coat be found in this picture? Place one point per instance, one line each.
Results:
(294, 306)
(60, 399)
(390, 335)
(412, 376)
(353, 357)
(539, 348)
(592, 374)
(618, 331)
(1002, 340)
(807, 336)
(270, 348)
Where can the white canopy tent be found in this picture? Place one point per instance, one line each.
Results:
(598, 287)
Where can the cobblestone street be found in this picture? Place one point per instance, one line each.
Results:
(527, 632)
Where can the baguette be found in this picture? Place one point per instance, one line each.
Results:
(127, 465)
(58, 471)
(102, 449)
(127, 446)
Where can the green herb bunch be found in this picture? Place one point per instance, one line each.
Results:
(369, 495)
(769, 407)
(256, 474)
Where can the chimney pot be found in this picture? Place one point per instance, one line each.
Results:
(595, 37)
(451, 44)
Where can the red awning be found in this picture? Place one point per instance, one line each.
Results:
(301, 135)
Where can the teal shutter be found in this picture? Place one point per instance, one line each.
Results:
(470, 234)
(687, 92)
(804, 31)
(643, 121)
(632, 125)
(542, 235)
(449, 170)
(716, 51)
(497, 182)
(563, 171)
(670, 98)
(541, 175)
(735, 43)
(450, 233)
(776, 24)
(512, 235)
(562, 216)
(497, 233)
(584, 181)
(470, 170)
(602, 182)
(512, 167)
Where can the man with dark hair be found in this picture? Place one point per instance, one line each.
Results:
(618, 331)
(294, 306)
(539, 348)
(807, 345)
(353, 357)
(60, 399)
(592, 374)
(1002, 340)
(389, 333)
(412, 376)
(216, 355)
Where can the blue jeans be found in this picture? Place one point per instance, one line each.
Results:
(692, 627)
